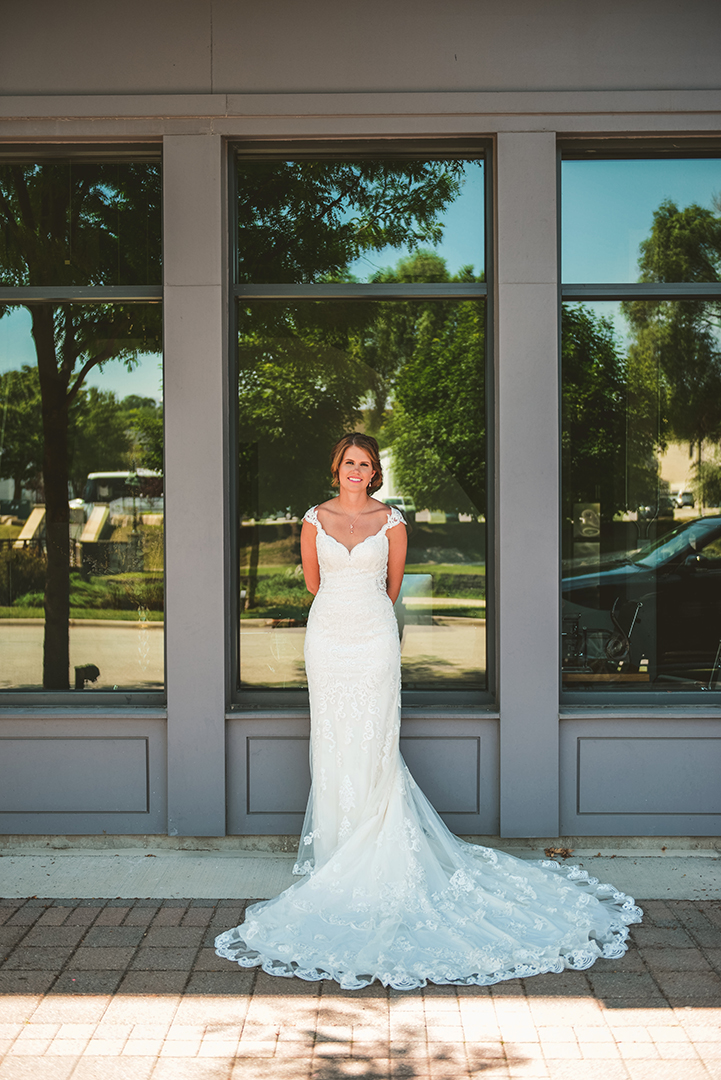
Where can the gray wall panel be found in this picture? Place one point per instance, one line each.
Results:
(231, 46)
(624, 775)
(278, 774)
(455, 763)
(102, 772)
(83, 45)
(649, 776)
(448, 771)
(78, 776)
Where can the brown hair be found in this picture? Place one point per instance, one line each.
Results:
(364, 442)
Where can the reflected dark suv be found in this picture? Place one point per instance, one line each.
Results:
(652, 616)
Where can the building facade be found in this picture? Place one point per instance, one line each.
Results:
(551, 738)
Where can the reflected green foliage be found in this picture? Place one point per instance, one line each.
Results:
(80, 224)
(144, 421)
(682, 336)
(299, 390)
(99, 436)
(305, 221)
(431, 360)
(103, 433)
(415, 369)
(21, 444)
(594, 413)
(84, 224)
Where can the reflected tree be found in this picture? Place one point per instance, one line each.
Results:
(680, 338)
(594, 413)
(429, 404)
(305, 221)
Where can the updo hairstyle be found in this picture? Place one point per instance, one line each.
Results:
(363, 442)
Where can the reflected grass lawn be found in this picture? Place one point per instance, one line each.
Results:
(16, 612)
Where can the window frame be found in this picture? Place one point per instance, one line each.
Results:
(273, 698)
(57, 153)
(578, 292)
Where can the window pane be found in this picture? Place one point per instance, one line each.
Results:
(412, 374)
(633, 220)
(641, 496)
(79, 223)
(313, 221)
(81, 497)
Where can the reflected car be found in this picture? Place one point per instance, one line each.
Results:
(652, 616)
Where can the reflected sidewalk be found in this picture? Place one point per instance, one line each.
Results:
(128, 653)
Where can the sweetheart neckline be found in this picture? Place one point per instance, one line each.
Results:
(359, 544)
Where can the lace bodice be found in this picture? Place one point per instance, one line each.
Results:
(366, 562)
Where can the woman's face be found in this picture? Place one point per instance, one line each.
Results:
(356, 470)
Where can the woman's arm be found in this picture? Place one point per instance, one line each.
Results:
(309, 557)
(397, 547)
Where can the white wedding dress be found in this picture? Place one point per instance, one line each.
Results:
(389, 893)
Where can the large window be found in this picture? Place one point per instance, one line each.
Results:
(641, 357)
(361, 306)
(81, 421)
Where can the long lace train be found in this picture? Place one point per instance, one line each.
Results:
(387, 892)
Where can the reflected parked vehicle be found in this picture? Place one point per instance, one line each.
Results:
(124, 492)
(652, 616)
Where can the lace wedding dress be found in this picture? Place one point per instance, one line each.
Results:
(388, 892)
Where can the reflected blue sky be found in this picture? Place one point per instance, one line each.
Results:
(17, 348)
(607, 210)
(463, 233)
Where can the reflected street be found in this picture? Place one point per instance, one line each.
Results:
(129, 654)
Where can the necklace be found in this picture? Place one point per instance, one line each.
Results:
(352, 523)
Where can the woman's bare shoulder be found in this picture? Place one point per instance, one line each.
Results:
(329, 505)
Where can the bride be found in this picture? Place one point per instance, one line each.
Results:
(387, 891)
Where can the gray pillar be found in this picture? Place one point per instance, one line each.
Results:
(195, 487)
(528, 459)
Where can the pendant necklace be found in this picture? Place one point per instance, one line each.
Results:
(352, 523)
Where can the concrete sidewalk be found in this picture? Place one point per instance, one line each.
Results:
(154, 871)
(132, 990)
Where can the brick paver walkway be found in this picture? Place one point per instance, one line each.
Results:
(129, 990)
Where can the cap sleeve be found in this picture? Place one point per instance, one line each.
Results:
(394, 518)
(311, 516)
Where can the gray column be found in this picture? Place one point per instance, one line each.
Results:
(195, 487)
(528, 460)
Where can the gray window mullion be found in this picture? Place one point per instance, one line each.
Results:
(644, 290)
(352, 291)
(59, 294)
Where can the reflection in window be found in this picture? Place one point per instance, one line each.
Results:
(410, 373)
(81, 580)
(81, 501)
(79, 223)
(642, 495)
(612, 209)
(329, 221)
